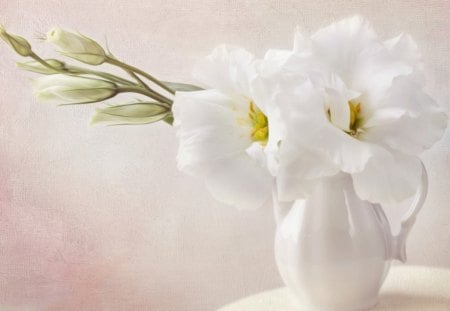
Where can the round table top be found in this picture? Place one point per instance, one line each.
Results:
(407, 288)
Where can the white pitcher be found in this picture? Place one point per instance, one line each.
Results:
(333, 250)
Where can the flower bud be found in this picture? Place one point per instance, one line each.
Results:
(19, 44)
(66, 89)
(139, 113)
(77, 46)
(38, 67)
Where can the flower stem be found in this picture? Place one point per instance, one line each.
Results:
(43, 62)
(120, 64)
(144, 85)
(81, 70)
(101, 74)
(140, 90)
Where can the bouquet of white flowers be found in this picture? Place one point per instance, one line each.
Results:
(341, 107)
(340, 100)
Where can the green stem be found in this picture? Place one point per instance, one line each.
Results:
(101, 74)
(120, 64)
(43, 62)
(81, 70)
(139, 80)
(161, 97)
(129, 87)
(140, 90)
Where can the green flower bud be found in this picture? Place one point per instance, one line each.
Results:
(67, 89)
(77, 46)
(19, 44)
(139, 113)
(38, 67)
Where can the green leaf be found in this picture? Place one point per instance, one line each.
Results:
(169, 119)
(182, 87)
(138, 113)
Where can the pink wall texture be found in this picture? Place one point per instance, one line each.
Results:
(100, 218)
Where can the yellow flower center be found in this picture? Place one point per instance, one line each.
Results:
(355, 118)
(260, 124)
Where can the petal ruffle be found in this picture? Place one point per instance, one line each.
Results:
(208, 129)
(227, 69)
(241, 182)
(299, 171)
(308, 127)
(388, 178)
(408, 121)
(340, 45)
(350, 48)
(403, 48)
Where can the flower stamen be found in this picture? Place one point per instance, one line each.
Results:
(355, 118)
(260, 124)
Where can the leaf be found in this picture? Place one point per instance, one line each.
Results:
(169, 119)
(182, 87)
(139, 113)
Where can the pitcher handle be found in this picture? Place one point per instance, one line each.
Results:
(408, 220)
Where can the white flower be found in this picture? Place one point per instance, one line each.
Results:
(77, 46)
(223, 131)
(360, 108)
(66, 89)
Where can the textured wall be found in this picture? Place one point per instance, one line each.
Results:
(100, 219)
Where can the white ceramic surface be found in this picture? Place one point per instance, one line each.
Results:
(333, 250)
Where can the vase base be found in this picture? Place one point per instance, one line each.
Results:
(359, 307)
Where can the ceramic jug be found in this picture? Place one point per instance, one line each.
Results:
(333, 250)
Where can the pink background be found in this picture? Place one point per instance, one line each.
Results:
(100, 218)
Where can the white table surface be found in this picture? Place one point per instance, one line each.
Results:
(407, 288)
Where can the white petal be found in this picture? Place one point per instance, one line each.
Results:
(388, 178)
(279, 69)
(408, 95)
(256, 152)
(375, 74)
(379, 67)
(274, 62)
(307, 125)
(339, 45)
(404, 48)
(228, 69)
(240, 182)
(268, 155)
(277, 132)
(351, 49)
(411, 135)
(300, 170)
(409, 120)
(209, 129)
(302, 44)
(339, 109)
